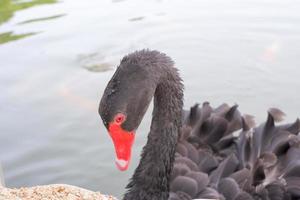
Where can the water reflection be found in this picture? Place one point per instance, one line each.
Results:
(7, 11)
(95, 62)
(1, 176)
(136, 19)
(9, 7)
(116, 1)
(271, 51)
(10, 36)
(41, 19)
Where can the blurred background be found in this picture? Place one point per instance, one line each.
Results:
(56, 58)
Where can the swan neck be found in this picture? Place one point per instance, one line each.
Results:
(152, 176)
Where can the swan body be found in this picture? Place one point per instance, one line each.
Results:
(203, 153)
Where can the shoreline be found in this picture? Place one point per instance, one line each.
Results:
(51, 192)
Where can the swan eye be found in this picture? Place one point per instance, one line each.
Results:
(119, 118)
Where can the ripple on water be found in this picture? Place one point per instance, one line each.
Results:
(8, 8)
(95, 62)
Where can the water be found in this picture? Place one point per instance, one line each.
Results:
(57, 56)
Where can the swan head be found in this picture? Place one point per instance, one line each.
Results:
(125, 101)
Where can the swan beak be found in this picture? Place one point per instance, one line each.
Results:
(123, 141)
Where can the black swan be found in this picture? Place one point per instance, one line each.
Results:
(208, 153)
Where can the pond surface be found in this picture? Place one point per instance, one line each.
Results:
(56, 58)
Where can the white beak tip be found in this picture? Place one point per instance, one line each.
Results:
(122, 164)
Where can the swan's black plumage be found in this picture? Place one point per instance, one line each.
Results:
(139, 77)
(206, 152)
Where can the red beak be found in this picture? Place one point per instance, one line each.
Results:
(123, 141)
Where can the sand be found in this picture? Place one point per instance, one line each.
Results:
(51, 192)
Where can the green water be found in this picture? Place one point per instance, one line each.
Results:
(7, 11)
